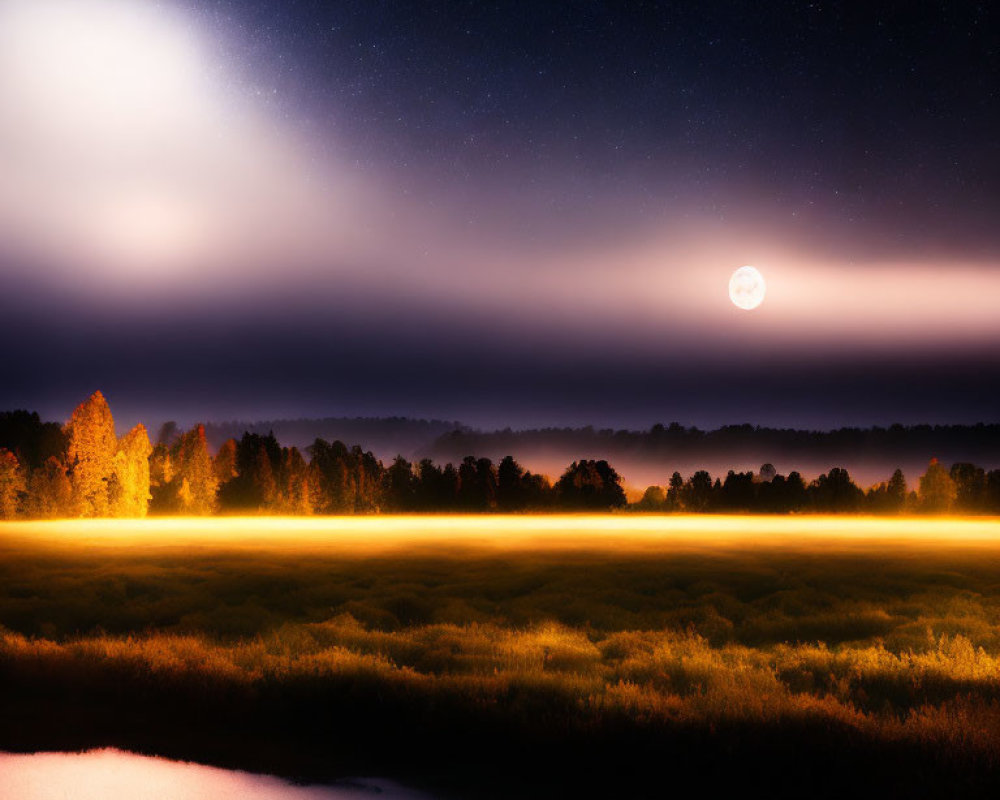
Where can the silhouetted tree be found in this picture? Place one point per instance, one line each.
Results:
(519, 489)
(887, 497)
(400, 486)
(510, 488)
(738, 492)
(696, 496)
(796, 494)
(897, 491)
(674, 501)
(653, 499)
(342, 480)
(993, 491)
(781, 494)
(477, 484)
(970, 486)
(33, 442)
(450, 483)
(937, 489)
(258, 460)
(835, 492)
(538, 492)
(590, 485)
(432, 493)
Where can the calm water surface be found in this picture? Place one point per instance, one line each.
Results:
(117, 775)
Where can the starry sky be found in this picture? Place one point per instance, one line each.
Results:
(506, 213)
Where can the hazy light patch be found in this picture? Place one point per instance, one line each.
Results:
(376, 534)
(114, 775)
(132, 158)
(645, 294)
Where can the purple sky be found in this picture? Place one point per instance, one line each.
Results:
(499, 214)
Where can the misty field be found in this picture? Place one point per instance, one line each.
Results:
(516, 656)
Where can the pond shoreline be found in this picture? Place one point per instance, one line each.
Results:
(493, 759)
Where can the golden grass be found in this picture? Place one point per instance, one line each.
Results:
(882, 630)
(948, 696)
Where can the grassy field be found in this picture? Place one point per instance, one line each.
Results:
(518, 656)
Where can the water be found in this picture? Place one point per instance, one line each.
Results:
(116, 775)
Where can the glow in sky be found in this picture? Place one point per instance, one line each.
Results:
(588, 194)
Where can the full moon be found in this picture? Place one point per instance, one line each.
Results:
(746, 288)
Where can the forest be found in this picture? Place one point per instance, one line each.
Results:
(83, 469)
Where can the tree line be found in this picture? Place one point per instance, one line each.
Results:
(82, 469)
(964, 488)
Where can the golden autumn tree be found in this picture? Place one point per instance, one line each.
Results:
(12, 484)
(91, 456)
(161, 476)
(49, 491)
(224, 463)
(937, 489)
(129, 494)
(197, 484)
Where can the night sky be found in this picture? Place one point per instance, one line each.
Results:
(514, 214)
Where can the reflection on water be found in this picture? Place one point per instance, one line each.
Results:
(116, 775)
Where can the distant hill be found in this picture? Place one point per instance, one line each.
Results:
(386, 437)
(650, 456)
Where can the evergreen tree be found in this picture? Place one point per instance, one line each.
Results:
(590, 485)
(510, 488)
(258, 465)
(896, 491)
(430, 491)
(836, 492)
(937, 489)
(399, 486)
(697, 492)
(477, 484)
(970, 486)
(675, 500)
(992, 496)
(738, 492)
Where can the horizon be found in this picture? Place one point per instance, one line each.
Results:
(642, 458)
